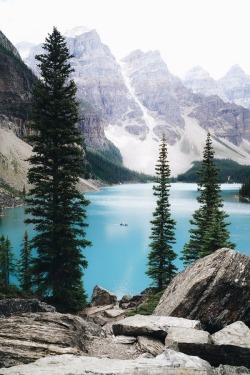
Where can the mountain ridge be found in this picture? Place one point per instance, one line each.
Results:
(138, 99)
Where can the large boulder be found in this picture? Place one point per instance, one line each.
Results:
(101, 297)
(229, 346)
(214, 290)
(25, 338)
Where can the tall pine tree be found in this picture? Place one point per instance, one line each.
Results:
(160, 259)
(25, 265)
(7, 261)
(208, 227)
(57, 208)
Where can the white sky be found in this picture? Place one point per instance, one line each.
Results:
(212, 33)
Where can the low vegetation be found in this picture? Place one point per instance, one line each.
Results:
(244, 191)
(228, 172)
(148, 307)
(107, 167)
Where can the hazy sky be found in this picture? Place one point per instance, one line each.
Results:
(212, 33)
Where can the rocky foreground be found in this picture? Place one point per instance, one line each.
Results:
(35, 339)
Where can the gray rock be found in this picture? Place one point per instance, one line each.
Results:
(214, 290)
(231, 370)
(12, 306)
(237, 334)
(150, 345)
(156, 326)
(170, 363)
(112, 347)
(178, 335)
(200, 343)
(27, 337)
(101, 297)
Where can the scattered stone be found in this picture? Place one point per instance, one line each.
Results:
(131, 302)
(12, 306)
(156, 326)
(237, 334)
(101, 297)
(214, 290)
(124, 339)
(150, 345)
(231, 370)
(114, 313)
(108, 347)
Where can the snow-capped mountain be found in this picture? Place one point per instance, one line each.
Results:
(200, 82)
(234, 87)
(138, 99)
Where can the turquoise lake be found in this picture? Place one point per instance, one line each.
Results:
(117, 259)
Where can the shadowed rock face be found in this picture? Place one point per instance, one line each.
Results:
(214, 290)
(12, 306)
(16, 81)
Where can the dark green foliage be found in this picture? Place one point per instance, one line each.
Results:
(24, 265)
(160, 259)
(228, 171)
(147, 308)
(209, 229)
(7, 261)
(107, 167)
(57, 207)
(244, 191)
(12, 291)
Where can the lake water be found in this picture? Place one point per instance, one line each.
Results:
(117, 259)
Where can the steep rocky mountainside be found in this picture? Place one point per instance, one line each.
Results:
(138, 99)
(234, 87)
(16, 82)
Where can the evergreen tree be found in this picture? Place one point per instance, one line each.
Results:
(7, 261)
(244, 191)
(57, 208)
(160, 259)
(24, 266)
(209, 229)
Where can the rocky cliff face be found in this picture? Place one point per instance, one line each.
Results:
(16, 81)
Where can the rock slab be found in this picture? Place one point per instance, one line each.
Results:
(78, 365)
(28, 337)
(156, 326)
(214, 290)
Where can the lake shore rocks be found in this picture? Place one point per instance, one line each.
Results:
(214, 290)
(230, 346)
(103, 340)
(12, 306)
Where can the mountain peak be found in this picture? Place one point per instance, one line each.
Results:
(78, 30)
(235, 70)
(196, 72)
(8, 45)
